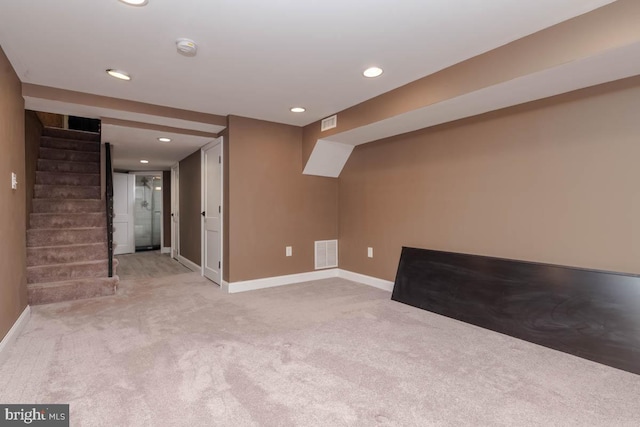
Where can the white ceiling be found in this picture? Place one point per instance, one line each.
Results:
(259, 58)
(130, 145)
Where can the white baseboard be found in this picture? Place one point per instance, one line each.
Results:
(13, 333)
(164, 250)
(366, 280)
(224, 285)
(189, 264)
(270, 282)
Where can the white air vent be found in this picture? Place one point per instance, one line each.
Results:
(326, 254)
(329, 123)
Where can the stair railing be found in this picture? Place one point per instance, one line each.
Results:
(109, 200)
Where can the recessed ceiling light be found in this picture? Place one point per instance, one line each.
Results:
(298, 109)
(119, 74)
(135, 2)
(164, 139)
(144, 161)
(372, 72)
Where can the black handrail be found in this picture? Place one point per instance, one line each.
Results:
(109, 199)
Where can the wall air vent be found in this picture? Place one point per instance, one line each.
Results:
(329, 123)
(326, 254)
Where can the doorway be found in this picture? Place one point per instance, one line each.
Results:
(123, 206)
(148, 212)
(175, 211)
(212, 211)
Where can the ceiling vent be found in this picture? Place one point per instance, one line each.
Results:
(326, 254)
(186, 47)
(329, 123)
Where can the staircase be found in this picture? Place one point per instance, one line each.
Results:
(67, 236)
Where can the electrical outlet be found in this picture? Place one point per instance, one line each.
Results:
(288, 251)
(14, 181)
(370, 252)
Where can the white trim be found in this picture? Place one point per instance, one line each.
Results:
(222, 218)
(13, 333)
(224, 285)
(218, 141)
(366, 280)
(175, 211)
(202, 207)
(165, 250)
(189, 264)
(270, 282)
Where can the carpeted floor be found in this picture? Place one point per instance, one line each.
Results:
(148, 264)
(177, 351)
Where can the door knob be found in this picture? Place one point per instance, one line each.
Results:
(202, 213)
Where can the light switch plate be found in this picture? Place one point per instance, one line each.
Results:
(370, 252)
(289, 251)
(14, 181)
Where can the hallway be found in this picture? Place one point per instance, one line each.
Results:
(148, 264)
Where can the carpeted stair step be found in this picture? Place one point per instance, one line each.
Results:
(69, 144)
(66, 240)
(48, 255)
(67, 271)
(67, 167)
(42, 191)
(59, 178)
(68, 206)
(45, 293)
(68, 236)
(71, 134)
(67, 220)
(69, 155)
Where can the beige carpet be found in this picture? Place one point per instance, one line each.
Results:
(177, 351)
(148, 264)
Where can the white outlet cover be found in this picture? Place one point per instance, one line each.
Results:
(288, 251)
(370, 252)
(14, 181)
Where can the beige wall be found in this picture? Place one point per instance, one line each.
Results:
(51, 120)
(13, 288)
(190, 203)
(33, 132)
(271, 204)
(553, 181)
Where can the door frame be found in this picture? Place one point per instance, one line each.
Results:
(130, 187)
(155, 173)
(213, 143)
(175, 211)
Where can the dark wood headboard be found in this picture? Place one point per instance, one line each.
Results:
(588, 313)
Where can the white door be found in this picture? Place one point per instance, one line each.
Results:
(175, 212)
(123, 200)
(212, 210)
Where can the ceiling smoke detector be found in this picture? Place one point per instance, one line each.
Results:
(186, 47)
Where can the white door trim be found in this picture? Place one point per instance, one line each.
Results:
(124, 215)
(212, 144)
(175, 211)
